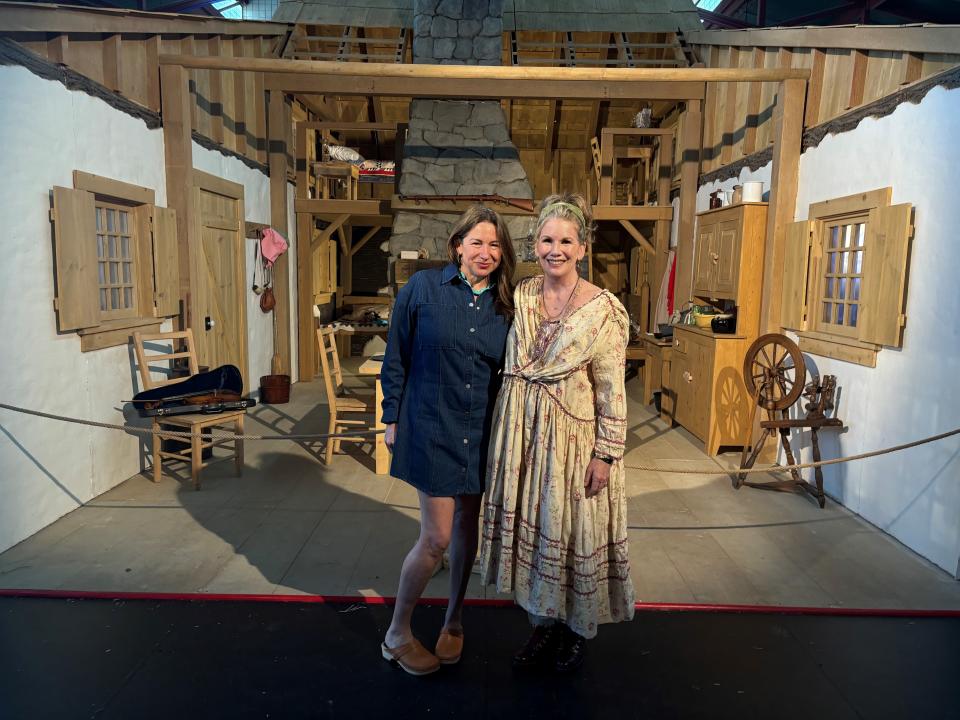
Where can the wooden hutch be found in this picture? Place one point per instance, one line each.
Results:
(710, 399)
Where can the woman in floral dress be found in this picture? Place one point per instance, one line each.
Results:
(555, 515)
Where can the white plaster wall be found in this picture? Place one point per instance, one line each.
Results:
(48, 468)
(914, 391)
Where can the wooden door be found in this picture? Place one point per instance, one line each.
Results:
(727, 260)
(218, 279)
(703, 267)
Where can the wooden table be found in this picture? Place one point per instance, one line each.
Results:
(381, 455)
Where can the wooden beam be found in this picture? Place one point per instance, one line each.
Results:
(402, 204)
(306, 334)
(51, 18)
(276, 133)
(215, 47)
(689, 150)
(492, 88)
(178, 161)
(635, 234)
(918, 39)
(344, 126)
(58, 49)
(912, 68)
(457, 73)
(632, 212)
(334, 208)
(151, 49)
(787, 134)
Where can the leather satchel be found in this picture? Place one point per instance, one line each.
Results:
(267, 300)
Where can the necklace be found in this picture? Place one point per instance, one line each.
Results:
(563, 310)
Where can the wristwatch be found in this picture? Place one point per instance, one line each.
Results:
(605, 458)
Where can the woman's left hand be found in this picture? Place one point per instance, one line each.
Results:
(598, 475)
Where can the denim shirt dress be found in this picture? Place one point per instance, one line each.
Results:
(440, 378)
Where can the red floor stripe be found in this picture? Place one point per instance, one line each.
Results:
(475, 602)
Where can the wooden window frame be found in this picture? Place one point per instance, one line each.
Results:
(823, 338)
(151, 301)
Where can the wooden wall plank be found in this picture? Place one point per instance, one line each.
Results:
(858, 77)
(814, 88)
(690, 143)
(885, 72)
(757, 60)
(113, 63)
(151, 68)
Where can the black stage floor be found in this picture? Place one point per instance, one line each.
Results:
(232, 659)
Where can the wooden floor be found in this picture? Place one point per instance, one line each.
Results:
(292, 525)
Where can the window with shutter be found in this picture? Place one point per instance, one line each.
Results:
(845, 276)
(115, 260)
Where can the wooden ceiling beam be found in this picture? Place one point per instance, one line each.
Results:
(453, 74)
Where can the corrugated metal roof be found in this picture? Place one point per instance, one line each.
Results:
(572, 15)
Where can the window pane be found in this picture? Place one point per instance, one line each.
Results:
(127, 297)
(103, 300)
(114, 298)
(125, 247)
(99, 246)
(831, 262)
(847, 235)
(126, 272)
(99, 219)
(842, 289)
(839, 313)
(123, 221)
(102, 272)
(826, 311)
(861, 233)
(858, 262)
(853, 315)
(828, 288)
(844, 262)
(855, 289)
(112, 246)
(114, 272)
(111, 219)
(834, 236)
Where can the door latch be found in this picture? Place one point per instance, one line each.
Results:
(208, 323)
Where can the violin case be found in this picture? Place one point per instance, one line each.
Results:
(215, 391)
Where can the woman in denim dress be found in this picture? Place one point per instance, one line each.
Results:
(440, 377)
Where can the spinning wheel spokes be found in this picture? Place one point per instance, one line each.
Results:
(774, 371)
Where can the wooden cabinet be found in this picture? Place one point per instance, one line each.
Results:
(706, 382)
(711, 400)
(728, 264)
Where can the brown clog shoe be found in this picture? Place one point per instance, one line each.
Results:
(449, 647)
(412, 657)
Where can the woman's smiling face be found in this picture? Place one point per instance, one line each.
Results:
(559, 247)
(480, 252)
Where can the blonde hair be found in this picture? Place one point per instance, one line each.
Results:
(566, 206)
(503, 275)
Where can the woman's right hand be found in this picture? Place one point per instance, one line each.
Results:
(390, 435)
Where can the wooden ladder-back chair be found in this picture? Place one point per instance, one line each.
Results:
(195, 423)
(338, 402)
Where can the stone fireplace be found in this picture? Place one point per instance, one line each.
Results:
(457, 147)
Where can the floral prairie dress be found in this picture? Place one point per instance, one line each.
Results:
(562, 554)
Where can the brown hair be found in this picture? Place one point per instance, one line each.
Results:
(556, 207)
(503, 275)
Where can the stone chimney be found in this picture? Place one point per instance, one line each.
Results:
(457, 147)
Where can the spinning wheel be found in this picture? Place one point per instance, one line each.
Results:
(774, 372)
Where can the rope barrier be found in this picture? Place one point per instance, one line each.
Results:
(364, 433)
(186, 435)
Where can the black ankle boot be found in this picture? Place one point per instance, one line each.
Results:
(571, 650)
(539, 647)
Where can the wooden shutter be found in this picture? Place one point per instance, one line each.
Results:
(166, 262)
(796, 255)
(885, 275)
(75, 247)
